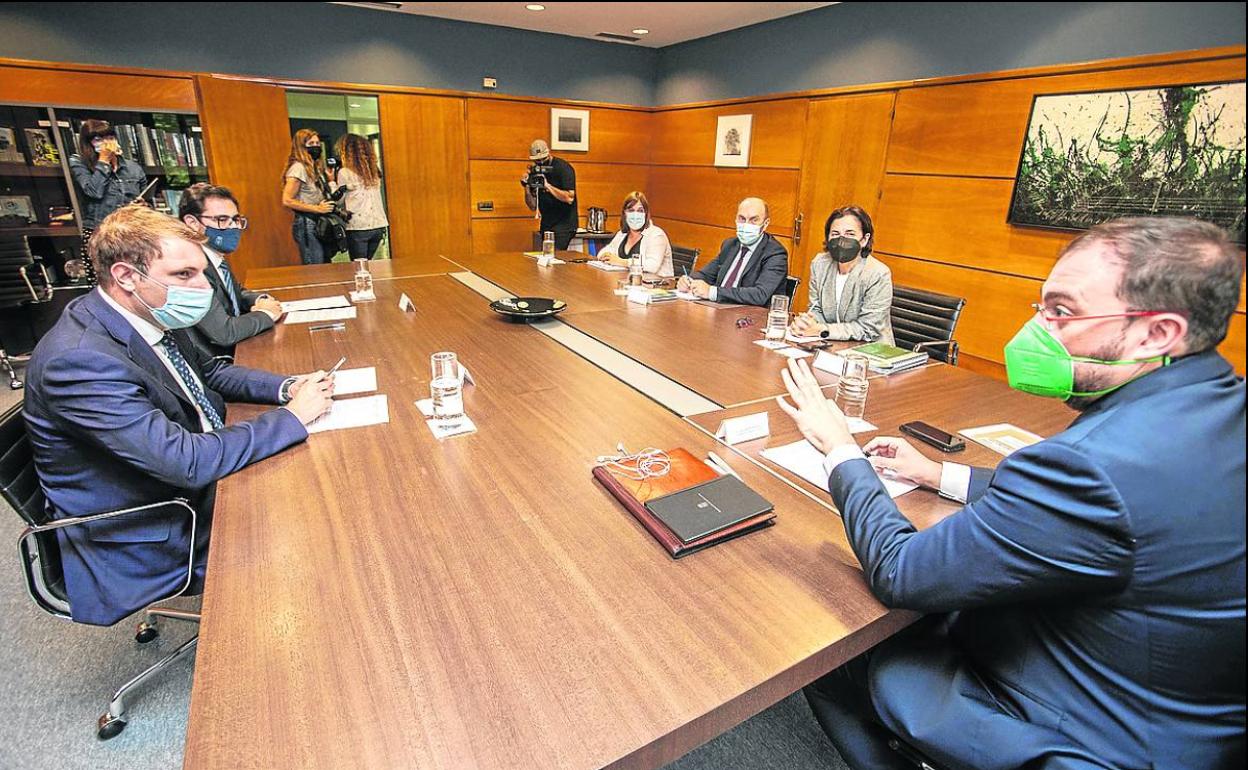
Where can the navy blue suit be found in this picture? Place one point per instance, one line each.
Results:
(111, 428)
(1097, 581)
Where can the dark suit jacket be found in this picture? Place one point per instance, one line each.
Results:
(763, 276)
(1100, 579)
(110, 429)
(223, 328)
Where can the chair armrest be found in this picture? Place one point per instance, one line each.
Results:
(951, 349)
(43, 295)
(30, 553)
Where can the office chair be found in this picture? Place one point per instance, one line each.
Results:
(924, 319)
(684, 261)
(23, 282)
(790, 285)
(41, 557)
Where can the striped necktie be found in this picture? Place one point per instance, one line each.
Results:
(183, 369)
(231, 290)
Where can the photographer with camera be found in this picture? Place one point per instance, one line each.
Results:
(550, 189)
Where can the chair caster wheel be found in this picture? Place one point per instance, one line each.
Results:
(146, 632)
(16, 385)
(109, 726)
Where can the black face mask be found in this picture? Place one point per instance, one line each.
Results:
(843, 249)
(315, 152)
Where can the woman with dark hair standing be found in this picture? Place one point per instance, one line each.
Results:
(851, 294)
(105, 179)
(361, 176)
(304, 185)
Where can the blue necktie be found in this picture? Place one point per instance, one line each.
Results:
(192, 382)
(227, 278)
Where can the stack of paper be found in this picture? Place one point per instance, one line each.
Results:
(315, 303)
(353, 413)
(350, 382)
(801, 458)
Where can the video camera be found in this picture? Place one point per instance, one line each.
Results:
(537, 177)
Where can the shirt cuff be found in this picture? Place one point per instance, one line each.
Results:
(955, 481)
(841, 454)
(713, 294)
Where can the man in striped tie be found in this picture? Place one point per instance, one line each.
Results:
(124, 410)
(235, 314)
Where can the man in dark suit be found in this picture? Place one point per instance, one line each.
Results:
(1096, 580)
(749, 269)
(124, 410)
(235, 313)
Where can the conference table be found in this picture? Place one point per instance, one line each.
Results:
(377, 597)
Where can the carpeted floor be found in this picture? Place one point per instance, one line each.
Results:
(57, 678)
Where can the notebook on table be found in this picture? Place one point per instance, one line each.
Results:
(686, 473)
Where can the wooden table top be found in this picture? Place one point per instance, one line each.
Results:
(379, 598)
(340, 272)
(698, 345)
(949, 398)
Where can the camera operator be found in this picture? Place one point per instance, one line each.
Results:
(550, 189)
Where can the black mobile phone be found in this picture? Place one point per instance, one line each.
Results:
(929, 434)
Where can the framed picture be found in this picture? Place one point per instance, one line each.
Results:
(16, 207)
(1174, 151)
(8, 147)
(732, 141)
(569, 129)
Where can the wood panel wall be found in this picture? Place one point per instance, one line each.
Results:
(85, 86)
(499, 134)
(696, 202)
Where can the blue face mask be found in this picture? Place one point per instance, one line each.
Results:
(184, 307)
(635, 219)
(748, 233)
(224, 241)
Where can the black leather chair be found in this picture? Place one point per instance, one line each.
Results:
(23, 282)
(41, 556)
(925, 320)
(684, 261)
(790, 285)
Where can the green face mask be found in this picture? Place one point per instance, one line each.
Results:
(1036, 362)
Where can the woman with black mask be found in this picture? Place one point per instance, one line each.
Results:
(304, 185)
(851, 294)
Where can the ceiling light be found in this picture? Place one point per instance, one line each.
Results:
(641, 31)
(535, 7)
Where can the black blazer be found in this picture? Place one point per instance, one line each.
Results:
(763, 276)
(221, 329)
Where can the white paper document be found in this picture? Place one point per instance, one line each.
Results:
(1003, 438)
(799, 340)
(859, 425)
(795, 353)
(315, 303)
(830, 363)
(353, 413)
(803, 459)
(441, 430)
(686, 295)
(350, 382)
(770, 345)
(606, 267)
(312, 316)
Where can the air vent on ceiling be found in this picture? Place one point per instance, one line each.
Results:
(621, 38)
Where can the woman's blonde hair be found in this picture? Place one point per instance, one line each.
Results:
(299, 154)
(356, 154)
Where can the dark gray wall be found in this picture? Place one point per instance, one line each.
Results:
(855, 43)
(320, 41)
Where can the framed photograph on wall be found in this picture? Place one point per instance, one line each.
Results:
(569, 129)
(1170, 151)
(732, 141)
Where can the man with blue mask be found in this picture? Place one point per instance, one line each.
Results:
(749, 268)
(124, 410)
(1089, 599)
(235, 314)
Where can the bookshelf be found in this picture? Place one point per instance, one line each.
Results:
(38, 199)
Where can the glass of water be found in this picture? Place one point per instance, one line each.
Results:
(851, 391)
(778, 318)
(548, 244)
(363, 281)
(445, 388)
(634, 270)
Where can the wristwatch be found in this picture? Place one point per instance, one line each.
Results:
(283, 394)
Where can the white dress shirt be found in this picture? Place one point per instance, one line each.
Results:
(152, 335)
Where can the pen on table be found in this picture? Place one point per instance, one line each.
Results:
(719, 462)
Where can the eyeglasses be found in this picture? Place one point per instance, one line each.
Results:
(744, 322)
(224, 222)
(1051, 320)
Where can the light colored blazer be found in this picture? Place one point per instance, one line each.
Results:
(866, 300)
(656, 250)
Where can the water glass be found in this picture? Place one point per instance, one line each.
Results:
(851, 391)
(548, 244)
(445, 388)
(634, 271)
(777, 318)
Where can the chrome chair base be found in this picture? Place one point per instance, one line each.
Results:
(113, 720)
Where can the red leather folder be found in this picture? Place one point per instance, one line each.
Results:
(686, 471)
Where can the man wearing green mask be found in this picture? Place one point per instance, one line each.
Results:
(1089, 598)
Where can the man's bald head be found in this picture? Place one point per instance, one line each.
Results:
(753, 211)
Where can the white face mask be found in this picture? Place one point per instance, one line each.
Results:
(635, 219)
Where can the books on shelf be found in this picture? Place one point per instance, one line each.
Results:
(889, 359)
(43, 150)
